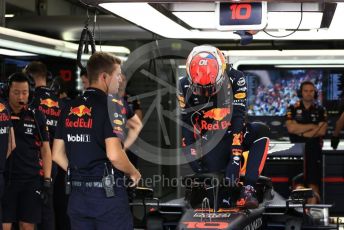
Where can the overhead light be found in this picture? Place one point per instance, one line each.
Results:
(290, 20)
(36, 49)
(27, 42)
(199, 20)
(144, 15)
(113, 49)
(9, 15)
(15, 53)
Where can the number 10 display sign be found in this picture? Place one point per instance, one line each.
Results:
(241, 16)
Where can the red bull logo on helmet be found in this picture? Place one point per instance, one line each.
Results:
(80, 111)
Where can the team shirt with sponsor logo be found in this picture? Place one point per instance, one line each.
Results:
(84, 125)
(23, 163)
(5, 126)
(121, 111)
(46, 101)
(313, 115)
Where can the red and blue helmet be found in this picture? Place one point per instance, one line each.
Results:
(205, 68)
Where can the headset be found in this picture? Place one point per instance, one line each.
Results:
(299, 91)
(19, 76)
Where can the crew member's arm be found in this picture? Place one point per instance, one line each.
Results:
(134, 126)
(318, 131)
(116, 154)
(293, 126)
(119, 159)
(59, 154)
(321, 128)
(299, 129)
(59, 150)
(45, 147)
(11, 142)
(46, 158)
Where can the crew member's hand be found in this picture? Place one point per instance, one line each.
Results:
(334, 142)
(47, 190)
(135, 177)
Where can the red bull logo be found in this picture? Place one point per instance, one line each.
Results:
(237, 139)
(117, 101)
(215, 125)
(49, 107)
(2, 107)
(79, 123)
(49, 103)
(217, 114)
(80, 111)
(3, 116)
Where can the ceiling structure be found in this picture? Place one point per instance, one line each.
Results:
(317, 24)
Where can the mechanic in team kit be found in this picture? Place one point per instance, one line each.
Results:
(307, 123)
(7, 144)
(46, 101)
(24, 191)
(87, 146)
(129, 119)
(204, 99)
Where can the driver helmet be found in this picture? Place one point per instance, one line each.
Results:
(205, 68)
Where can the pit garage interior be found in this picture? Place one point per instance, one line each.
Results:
(153, 38)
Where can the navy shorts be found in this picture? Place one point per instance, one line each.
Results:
(90, 209)
(22, 202)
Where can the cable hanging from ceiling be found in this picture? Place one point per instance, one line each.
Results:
(294, 31)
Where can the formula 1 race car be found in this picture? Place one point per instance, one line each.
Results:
(206, 206)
